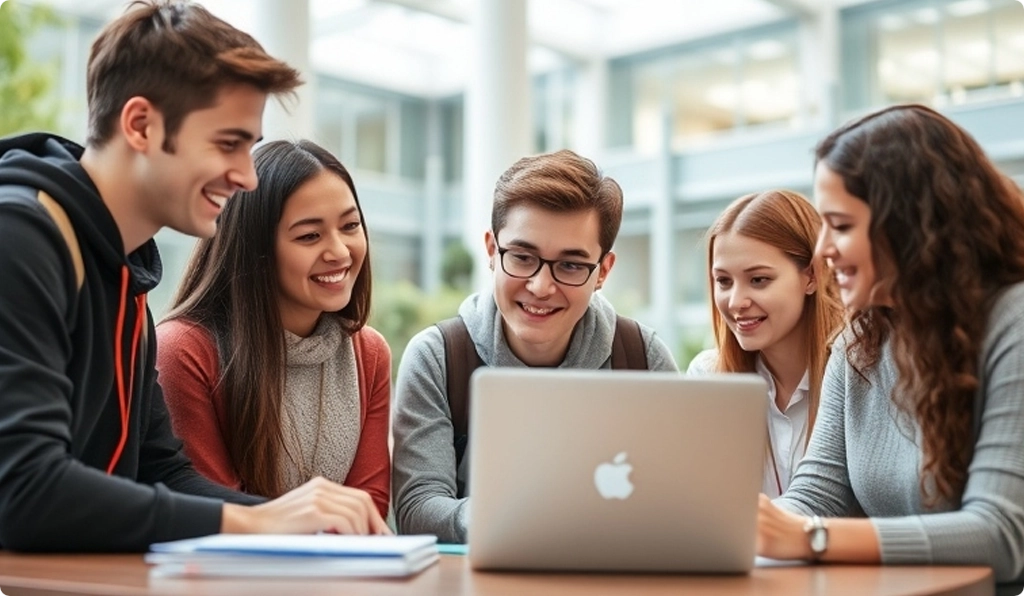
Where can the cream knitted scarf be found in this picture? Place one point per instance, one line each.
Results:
(321, 408)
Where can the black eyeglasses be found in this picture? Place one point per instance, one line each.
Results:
(524, 265)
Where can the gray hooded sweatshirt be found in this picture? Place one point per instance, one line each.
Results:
(424, 474)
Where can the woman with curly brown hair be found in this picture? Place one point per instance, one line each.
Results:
(921, 422)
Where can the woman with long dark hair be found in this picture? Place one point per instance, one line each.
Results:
(921, 424)
(270, 373)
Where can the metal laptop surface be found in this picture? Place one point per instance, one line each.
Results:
(615, 470)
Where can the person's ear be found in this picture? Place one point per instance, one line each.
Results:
(812, 281)
(139, 124)
(604, 268)
(492, 248)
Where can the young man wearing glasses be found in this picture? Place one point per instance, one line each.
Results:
(553, 223)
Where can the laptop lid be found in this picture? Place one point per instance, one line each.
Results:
(615, 470)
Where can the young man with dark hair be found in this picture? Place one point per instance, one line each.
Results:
(88, 461)
(553, 223)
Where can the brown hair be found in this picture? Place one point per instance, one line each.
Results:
(947, 235)
(178, 56)
(230, 287)
(787, 221)
(562, 182)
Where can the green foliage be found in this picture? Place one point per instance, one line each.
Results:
(25, 99)
(457, 266)
(401, 310)
(693, 342)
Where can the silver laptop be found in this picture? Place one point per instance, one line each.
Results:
(614, 470)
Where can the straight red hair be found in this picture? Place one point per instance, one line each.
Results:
(787, 221)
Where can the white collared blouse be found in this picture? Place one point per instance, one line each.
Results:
(787, 429)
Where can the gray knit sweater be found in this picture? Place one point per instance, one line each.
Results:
(424, 474)
(865, 456)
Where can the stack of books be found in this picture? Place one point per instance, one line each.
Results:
(269, 555)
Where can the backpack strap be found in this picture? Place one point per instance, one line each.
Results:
(461, 359)
(628, 351)
(60, 217)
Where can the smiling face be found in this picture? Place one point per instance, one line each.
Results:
(186, 190)
(845, 240)
(320, 249)
(759, 292)
(538, 313)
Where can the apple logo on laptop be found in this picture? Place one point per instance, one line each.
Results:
(612, 478)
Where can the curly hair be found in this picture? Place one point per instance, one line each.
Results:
(947, 236)
(787, 221)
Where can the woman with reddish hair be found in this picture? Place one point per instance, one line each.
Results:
(774, 310)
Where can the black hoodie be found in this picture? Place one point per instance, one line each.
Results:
(69, 359)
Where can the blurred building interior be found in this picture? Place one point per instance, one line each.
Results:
(688, 104)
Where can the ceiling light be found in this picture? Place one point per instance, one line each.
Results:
(926, 16)
(923, 59)
(766, 49)
(892, 22)
(966, 8)
(978, 49)
(722, 96)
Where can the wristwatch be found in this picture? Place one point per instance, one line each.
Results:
(817, 536)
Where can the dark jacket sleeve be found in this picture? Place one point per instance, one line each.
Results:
(163, 459)
(50, 501)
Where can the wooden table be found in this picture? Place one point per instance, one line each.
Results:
(116, 575)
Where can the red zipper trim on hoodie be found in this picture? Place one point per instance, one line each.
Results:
(125, 398)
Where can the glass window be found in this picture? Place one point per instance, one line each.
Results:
(937, 52)
(413, 139)
(567, 107)
(646, 128)
(908, 57)
(330, 120)
(621, 103)
(452, 139)
(769, 91)
(629, 284)
(371, 123)
(966, 48)
(371, 129)
(706, 95)
(691, 275)
(707, 92)
(552, 110)
(539, 96)
(395, 258)
(742, 80)
(1008, 42)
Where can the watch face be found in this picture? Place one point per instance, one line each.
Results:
(819, 540)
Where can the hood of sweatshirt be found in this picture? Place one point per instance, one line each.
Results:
(51, 163)
(590, 345)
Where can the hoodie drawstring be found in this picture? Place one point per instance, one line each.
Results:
(124, 394)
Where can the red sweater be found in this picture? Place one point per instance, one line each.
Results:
(189, 370)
